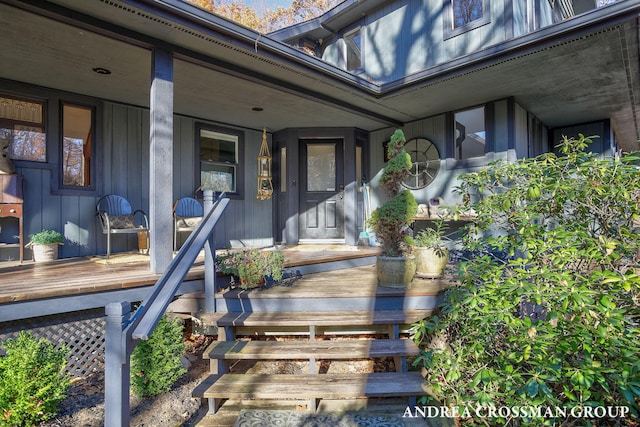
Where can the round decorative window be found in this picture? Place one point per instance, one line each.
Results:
(426, 163)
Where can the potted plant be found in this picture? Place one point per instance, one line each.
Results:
(45, 244)
(251, 266)
(396, 266)
(432, 254)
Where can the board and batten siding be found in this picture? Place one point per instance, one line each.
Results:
(406, 37)
(124, 157)
(509, 127)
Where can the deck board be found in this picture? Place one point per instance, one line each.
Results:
(319, 349)
(327, 386)
(76, 276)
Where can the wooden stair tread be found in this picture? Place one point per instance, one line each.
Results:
(315, 318)
(319, 349)
(300, 386)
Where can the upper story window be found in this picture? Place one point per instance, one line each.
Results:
(77, 145)
(22, 129)
(353, 45)
(466, 11)
(461, 16)
(220, 154)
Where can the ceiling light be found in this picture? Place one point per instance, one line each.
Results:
(101, 70)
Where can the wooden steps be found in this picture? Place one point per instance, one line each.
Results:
(320, 349)
(308, 390)
(316, 386)
(316, 318)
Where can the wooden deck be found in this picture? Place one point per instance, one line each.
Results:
(73, 276)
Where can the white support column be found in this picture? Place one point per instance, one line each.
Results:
(161, 160)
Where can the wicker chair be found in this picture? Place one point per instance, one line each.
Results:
(117, 217)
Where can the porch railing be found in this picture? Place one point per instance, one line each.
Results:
(124, 329)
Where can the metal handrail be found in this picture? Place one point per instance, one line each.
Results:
(153, 307)
(124, 330)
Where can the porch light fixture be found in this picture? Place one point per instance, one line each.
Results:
(265, 183)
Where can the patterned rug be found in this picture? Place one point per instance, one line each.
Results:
(279, 418)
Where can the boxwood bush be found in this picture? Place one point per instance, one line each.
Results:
(32, 380)
(554, 323)
(156, 363)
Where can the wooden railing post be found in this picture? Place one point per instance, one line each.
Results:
(117, 366)
(209, 260)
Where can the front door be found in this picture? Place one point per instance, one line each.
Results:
(321, 191)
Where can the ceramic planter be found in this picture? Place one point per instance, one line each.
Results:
(44, 253)
(396, 272)
(430, 262)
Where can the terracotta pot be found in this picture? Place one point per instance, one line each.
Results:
(430, 262)
(44, 253)
(395, 272)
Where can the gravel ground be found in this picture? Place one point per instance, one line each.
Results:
(84, 405)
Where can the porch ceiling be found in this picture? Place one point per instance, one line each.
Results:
(221, 75)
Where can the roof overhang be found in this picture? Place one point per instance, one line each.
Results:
(589, 65)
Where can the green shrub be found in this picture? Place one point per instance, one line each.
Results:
(46, 237)
(32, 380)
(156, 363)
(548, 308)
(390, 220)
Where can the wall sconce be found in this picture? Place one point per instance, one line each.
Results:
(265, 182)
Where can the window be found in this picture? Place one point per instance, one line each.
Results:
(220, 168)
(77, 142)
(352, 50)
(465, 11)
(22, 129)
(461, 16)
(469, 134)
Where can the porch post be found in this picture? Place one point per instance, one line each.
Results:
(161, 160)
(117, 368)
(209, 260)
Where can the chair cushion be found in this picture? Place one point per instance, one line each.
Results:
(188, 221)
(121, 221)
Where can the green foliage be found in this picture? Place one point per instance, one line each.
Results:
(390, 220)
(547, 311)
(46, 237)
(252, 265)
(32, 380)
(431, 237)
(156, 363)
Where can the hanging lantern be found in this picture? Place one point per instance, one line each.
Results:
(265, 183)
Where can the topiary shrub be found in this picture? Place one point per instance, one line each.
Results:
(32, 380)
(391, 219)
(553, 320)
(156, 363)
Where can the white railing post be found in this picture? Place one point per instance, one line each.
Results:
(117, 366)
(209, 260)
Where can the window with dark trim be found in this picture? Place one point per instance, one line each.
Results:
(353, 45)
(219, 157)
(461, 16)
(470, 137)
(77, 145)
(22, 128)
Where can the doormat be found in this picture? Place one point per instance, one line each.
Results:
(121, 258)
(279, 418)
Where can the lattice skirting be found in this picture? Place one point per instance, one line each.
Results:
(82, 332)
